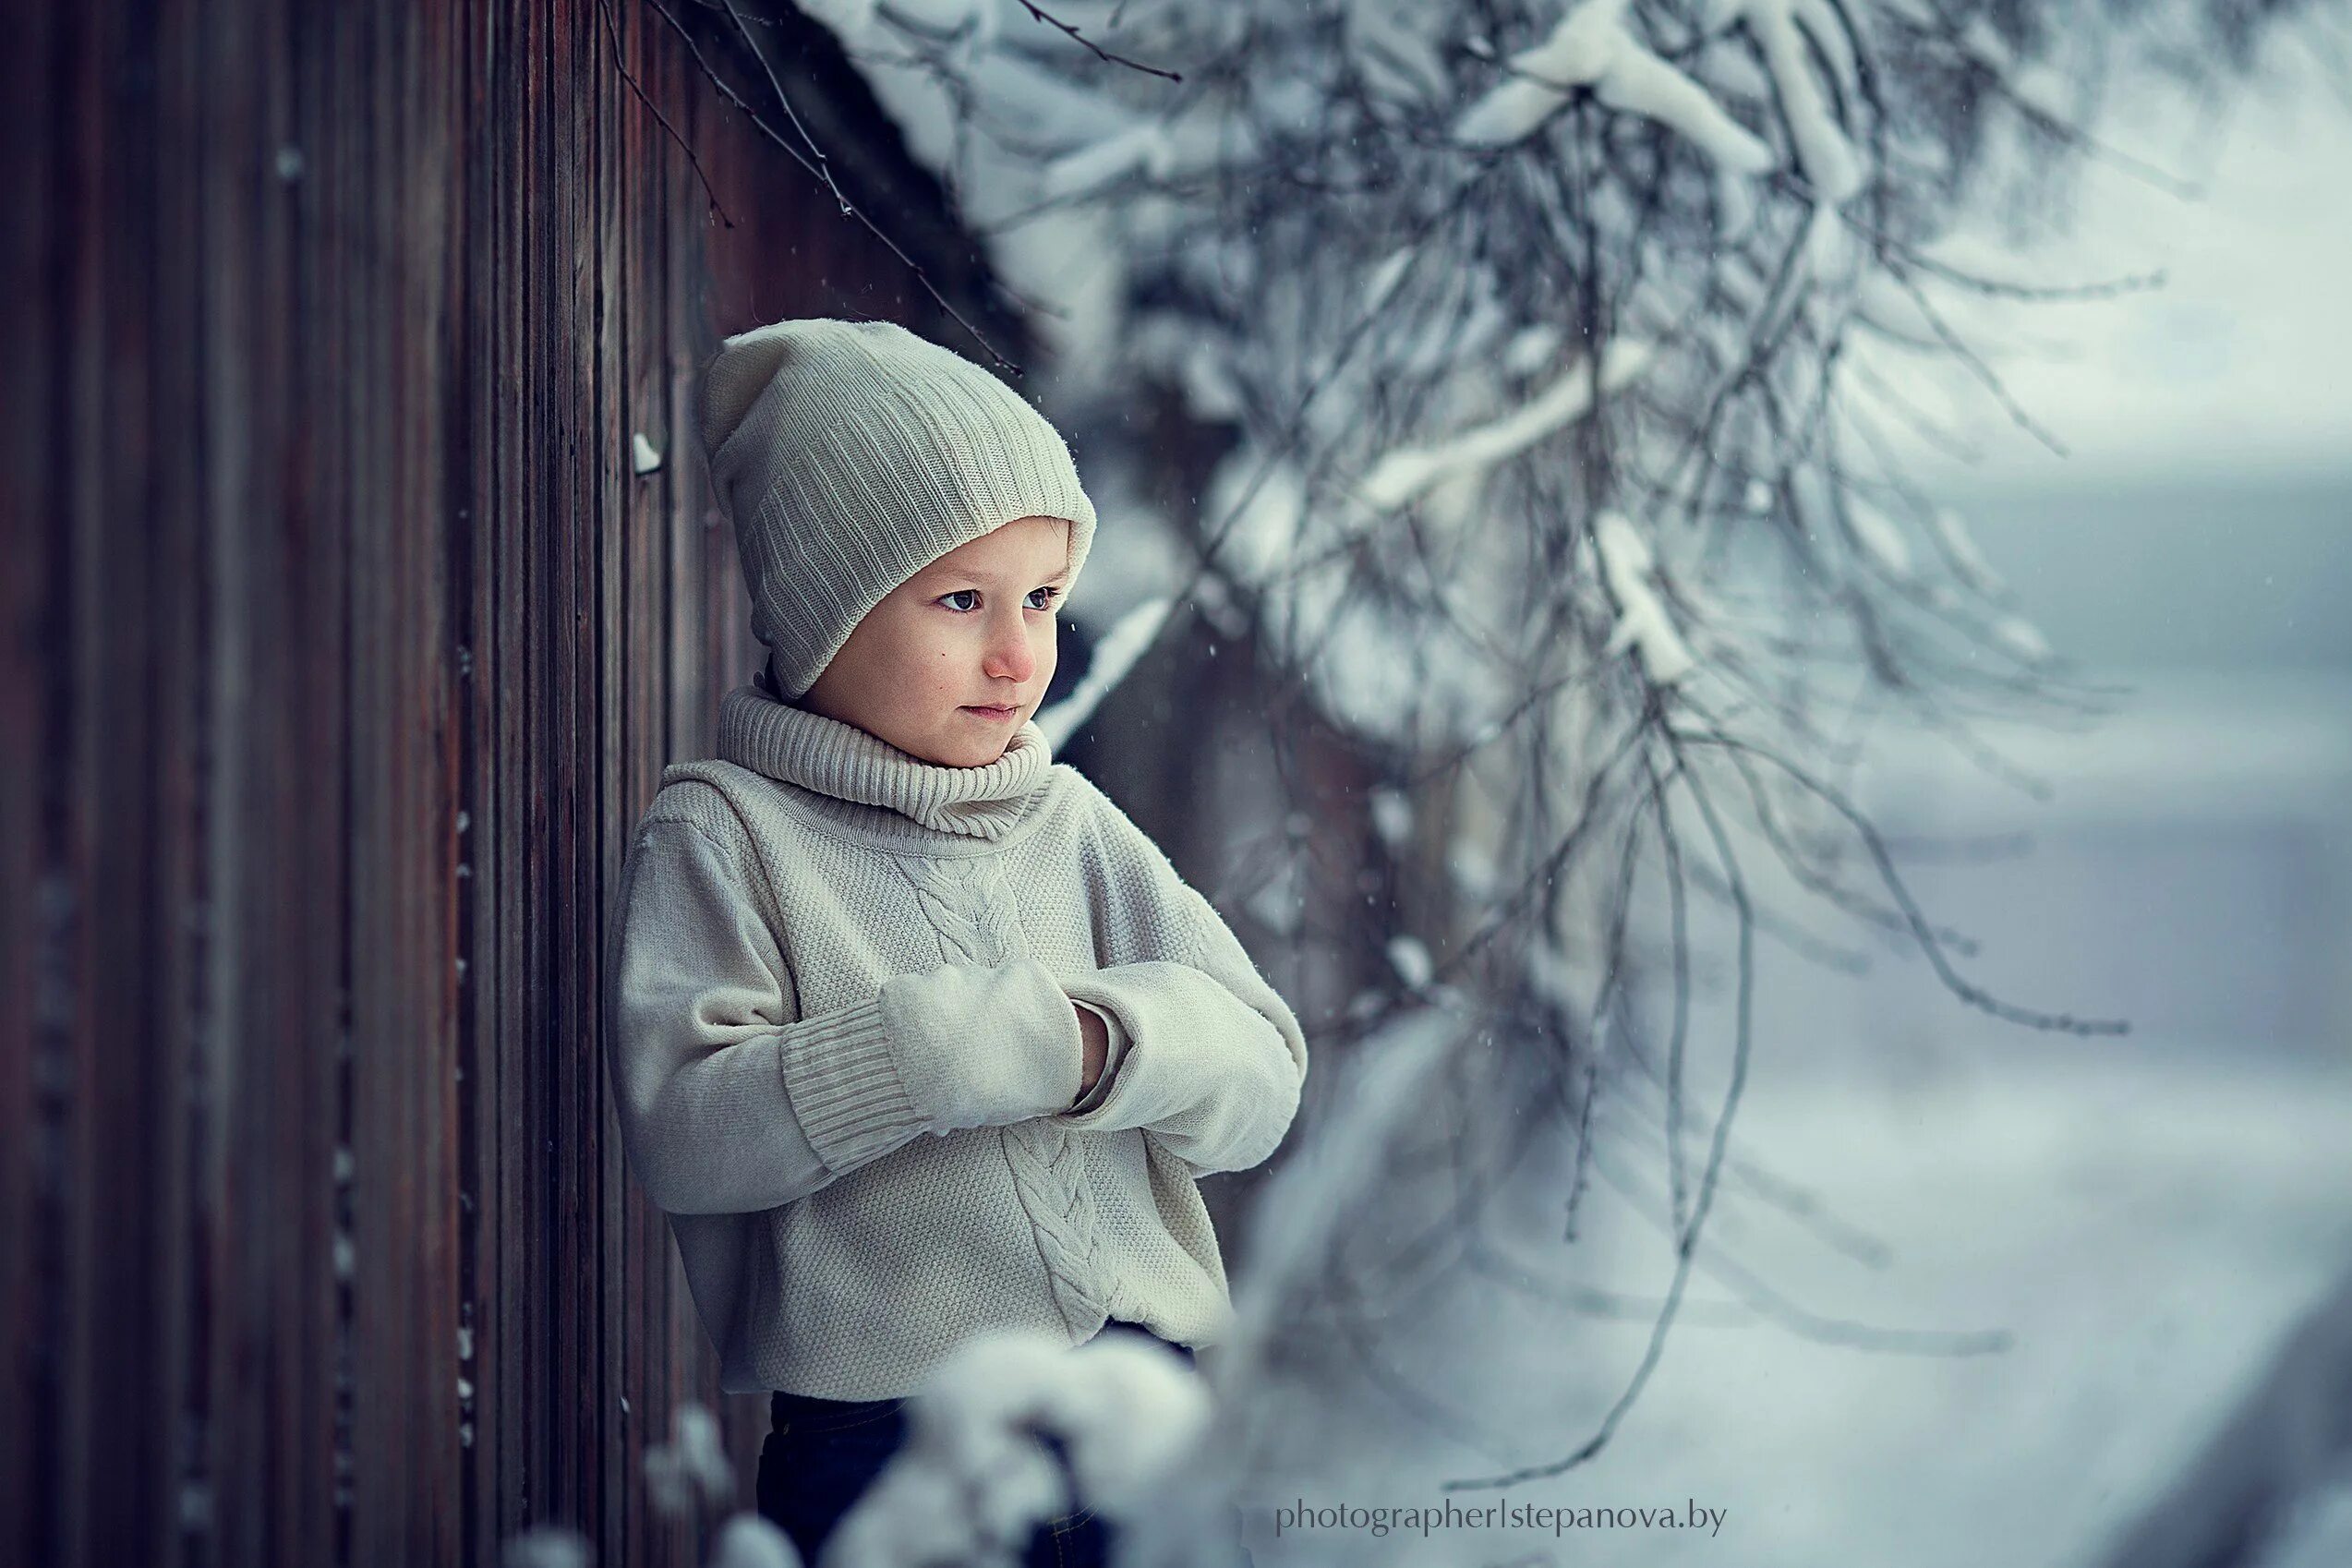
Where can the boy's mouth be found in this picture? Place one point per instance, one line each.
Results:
(993, 711)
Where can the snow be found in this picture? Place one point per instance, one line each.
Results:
(950, 16)
(2020, 636)
(1305, 1197)
(547, 1545)
(1580, 48)
(1144, 147)
(1409, 956)
(1959, 545)
(1113, 657)
(1643, 84)
(2137, 1232)
(1398, 59)
(849, 20)
(2058, 1202)
(1387, 273)
(2039, 87)
(1531, 348)
(1210, 389)
(1953, 1259)
(972, 1481)
(1642, 621)
(1823, 153)
(1589, 46)
(1827, 30)
(693, 1464)
(1441, 347)
(1277, 904)
(1473, 872)
(1400, 476)
(1262, 509)
(1878, 537)
(747, 1540)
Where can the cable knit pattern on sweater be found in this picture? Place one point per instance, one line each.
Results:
(842, 1034)
(971, 906)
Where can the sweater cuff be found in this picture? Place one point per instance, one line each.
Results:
(842, 1079)
(1114, 1047)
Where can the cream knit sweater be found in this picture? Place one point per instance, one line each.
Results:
(839, 1032)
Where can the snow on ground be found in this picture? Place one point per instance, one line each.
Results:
(2146, 1233)
(2138, 1223)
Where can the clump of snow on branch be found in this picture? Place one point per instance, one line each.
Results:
(1790, 33)
(1877, 535)
(2022, 639)
(750, 1540)
(547, 1545)
(691, 1466)
(1409, 956)
(1119, 648)
(741, 1540)
(1591, 48)
(972, 1479)
(1401, 476)
(1643, 622)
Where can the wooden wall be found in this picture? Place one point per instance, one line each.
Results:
(342, 649)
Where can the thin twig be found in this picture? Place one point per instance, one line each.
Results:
(604, 9)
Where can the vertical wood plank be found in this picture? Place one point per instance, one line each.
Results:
(35, 105)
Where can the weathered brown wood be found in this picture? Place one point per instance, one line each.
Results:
(343, 650)
(34, 1042)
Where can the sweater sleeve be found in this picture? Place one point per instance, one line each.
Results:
(728, 1103)
(1214, 1058)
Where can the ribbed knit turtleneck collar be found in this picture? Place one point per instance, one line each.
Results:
(832, 758)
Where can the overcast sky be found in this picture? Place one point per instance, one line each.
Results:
(2243, 360)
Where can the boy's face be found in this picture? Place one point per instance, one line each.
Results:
(975, 627)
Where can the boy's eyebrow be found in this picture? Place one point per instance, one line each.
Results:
(935, 572)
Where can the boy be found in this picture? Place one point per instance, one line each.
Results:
(912, 1033)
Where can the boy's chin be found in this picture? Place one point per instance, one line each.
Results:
(973, 756)
(966, 752)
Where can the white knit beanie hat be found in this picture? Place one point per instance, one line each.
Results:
(849, 455)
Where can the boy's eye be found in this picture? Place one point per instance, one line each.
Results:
(1051, 595)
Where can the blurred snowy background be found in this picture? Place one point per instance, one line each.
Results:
(2065, 1301)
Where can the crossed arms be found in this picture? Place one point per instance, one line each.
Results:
(728, 1105)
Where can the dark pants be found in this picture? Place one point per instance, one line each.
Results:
(824, 1453)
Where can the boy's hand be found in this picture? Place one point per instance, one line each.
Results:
(1095, 1048)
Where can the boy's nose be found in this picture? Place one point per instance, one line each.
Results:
(1009, 657)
